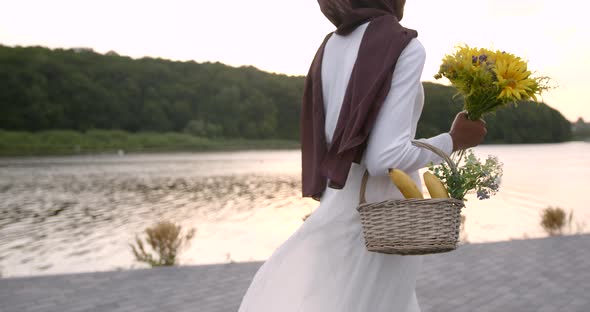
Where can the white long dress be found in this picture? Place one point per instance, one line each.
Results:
(324, 266)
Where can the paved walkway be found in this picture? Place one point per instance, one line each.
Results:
(519, 276)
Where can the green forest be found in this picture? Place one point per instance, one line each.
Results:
(66, 96)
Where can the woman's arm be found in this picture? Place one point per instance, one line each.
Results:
(389, 145)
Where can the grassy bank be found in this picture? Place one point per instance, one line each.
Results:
(66, 142)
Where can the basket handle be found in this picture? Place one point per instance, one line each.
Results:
(434, 149)
(362, 199)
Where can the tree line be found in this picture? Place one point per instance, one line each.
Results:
(526, 122)
(581, 129)
(79, 89)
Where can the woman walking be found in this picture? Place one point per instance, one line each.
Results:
(362, 102)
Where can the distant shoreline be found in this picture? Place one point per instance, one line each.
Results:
(114, 142)
(100, 142)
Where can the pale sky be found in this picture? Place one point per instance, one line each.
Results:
(283, 35)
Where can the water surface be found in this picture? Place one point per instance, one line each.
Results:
(78, 214)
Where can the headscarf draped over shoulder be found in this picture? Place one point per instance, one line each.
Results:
(370, 81)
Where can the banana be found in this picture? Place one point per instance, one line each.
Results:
(405, 184)
(435, 187)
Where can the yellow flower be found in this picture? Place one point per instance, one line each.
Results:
(513, 78)
(489, 79)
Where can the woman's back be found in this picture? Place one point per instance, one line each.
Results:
(339, 58)
(389, 143)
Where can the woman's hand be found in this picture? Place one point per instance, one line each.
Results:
(467, 133)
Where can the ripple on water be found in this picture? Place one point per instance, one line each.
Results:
(72, 214)
(77, 215)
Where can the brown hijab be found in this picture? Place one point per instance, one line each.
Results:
(370, 81)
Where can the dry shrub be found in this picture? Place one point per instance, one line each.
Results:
(165, 240)
(555, 220)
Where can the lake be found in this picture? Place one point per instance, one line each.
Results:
(80, 213)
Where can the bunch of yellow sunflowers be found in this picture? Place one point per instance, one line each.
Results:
(489, 80)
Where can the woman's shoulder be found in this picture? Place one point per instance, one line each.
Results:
(414, 52)
(415, 46)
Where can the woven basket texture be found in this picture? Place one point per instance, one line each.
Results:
(411, 226)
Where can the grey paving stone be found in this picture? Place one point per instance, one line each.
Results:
(544, 275)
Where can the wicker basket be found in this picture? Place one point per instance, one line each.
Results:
(411, 226)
